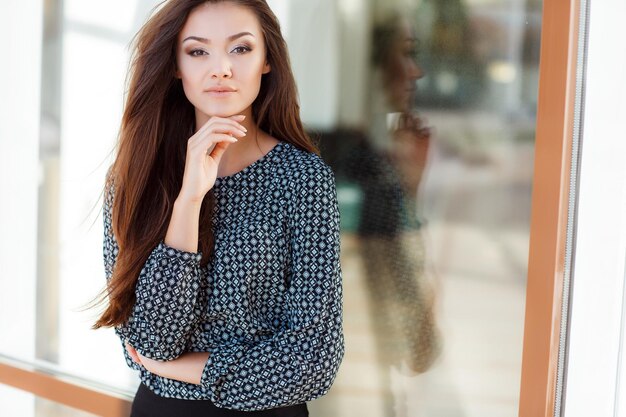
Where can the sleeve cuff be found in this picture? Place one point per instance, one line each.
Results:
(129, 361)
(178, 254)
(218, 364)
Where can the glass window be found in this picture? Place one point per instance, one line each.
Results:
(429, 125)
(425, 110)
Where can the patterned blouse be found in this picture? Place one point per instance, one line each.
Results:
(267, 307)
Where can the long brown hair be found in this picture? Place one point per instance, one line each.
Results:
(147, 174)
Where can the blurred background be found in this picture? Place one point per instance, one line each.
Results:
(425, 110)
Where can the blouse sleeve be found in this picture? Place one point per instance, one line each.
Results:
(167, 297)
(299, 363)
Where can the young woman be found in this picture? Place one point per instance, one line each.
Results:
(221, 242)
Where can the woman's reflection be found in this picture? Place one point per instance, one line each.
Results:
(387, 165)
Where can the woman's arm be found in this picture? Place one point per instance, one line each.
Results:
(168, 289)
(182, 232)
(186, 368)
(168, 297)
(300, 362)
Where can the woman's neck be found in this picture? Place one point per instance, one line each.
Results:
(246, 151)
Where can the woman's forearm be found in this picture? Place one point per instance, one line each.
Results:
(182, 232)
(186, 368)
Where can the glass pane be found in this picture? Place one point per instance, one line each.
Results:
(83, 60)
(429, 128)
(425, 109)
(18, 176)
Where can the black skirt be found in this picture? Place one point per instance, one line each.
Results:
(148, 404)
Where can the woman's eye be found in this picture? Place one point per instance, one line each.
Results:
(196, 52)
(242, 49)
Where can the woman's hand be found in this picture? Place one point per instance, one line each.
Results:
(187, 367)
(136, 357)
(410, 151)
(151, 365)
(204, 152)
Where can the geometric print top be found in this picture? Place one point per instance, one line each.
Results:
(267, 307)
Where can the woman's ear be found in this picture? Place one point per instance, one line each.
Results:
(266, 68)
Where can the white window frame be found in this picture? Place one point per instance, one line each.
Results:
(595, 377)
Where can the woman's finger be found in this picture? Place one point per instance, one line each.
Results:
(217, 130)
(218, 151)
(237, 118)
(206, 143)
(217, 121)
(223, 126)
(133, 353)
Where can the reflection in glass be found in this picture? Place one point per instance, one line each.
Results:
(384, 165)
(434, 186)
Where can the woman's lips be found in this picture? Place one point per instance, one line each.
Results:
(220, 90)
(218, 93)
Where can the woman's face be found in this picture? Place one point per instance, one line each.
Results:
(402, 69)
(221, 47)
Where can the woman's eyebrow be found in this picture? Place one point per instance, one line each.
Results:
(205, 40)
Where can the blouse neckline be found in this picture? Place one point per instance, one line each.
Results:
(252, 166)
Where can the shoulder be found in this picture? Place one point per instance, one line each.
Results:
(305, 169)
(310, 192)
(310, 189)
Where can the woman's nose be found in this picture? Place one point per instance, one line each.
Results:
(415, 71)
(220, 67)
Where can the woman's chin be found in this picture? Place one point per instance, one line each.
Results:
(223, 111)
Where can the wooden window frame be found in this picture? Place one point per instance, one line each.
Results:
(547, 255)
(547, 273)
(64, 389)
